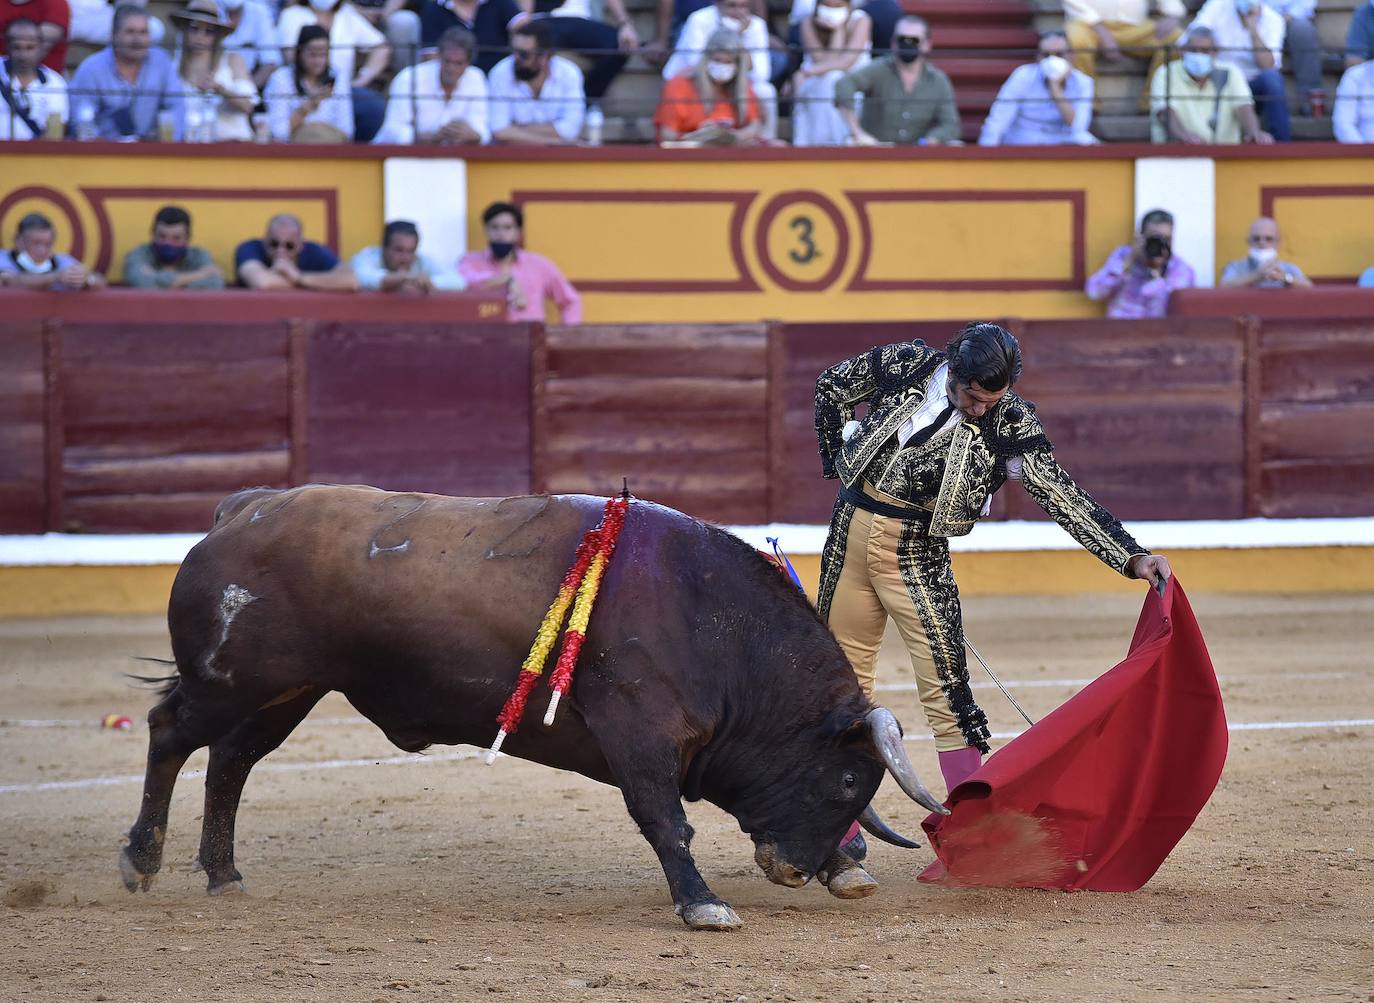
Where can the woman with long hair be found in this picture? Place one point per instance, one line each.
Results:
(713, 102)
(358, 53)
(219, 92)
(307, 102)
(837, 40)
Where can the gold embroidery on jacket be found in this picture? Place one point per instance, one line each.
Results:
(951, 510)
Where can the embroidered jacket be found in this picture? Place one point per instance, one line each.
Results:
(955, 474)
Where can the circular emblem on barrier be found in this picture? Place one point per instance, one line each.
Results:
(59, 209)
(802, 241)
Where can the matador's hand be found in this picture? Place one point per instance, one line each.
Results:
(1154, 568)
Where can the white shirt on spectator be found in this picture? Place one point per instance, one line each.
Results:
(369, 265)
(1234, 44)
(46, 96)
(697, 31)
(1353, 116)
(417, 104)
(351, 32)
(255, 39)
(282, 101)
(561, 101)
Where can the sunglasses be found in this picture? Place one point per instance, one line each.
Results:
(286, 245)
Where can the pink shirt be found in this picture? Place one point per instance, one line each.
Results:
(539, 278)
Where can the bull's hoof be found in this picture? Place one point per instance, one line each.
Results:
(228, 888)
(134, 879)
(711, 916)
(852, 883)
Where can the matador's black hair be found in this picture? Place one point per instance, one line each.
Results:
(985, 354)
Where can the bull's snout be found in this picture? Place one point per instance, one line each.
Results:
(766, 856)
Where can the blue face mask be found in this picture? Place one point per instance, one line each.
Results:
(1197, 64)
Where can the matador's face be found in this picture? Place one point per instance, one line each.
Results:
(971, 399)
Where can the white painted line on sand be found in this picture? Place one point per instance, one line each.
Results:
(450, 757)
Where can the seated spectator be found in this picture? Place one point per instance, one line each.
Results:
(1044, 102)
(714, 103)
(33, 99)
(52, 18)
(536, 96)
(580, 26)
(308, 102)
(169, 261)
(488, 20)
(701, 25)
(1249, 36)
(350, 36)
(1303, 47)
(400, 25)
(1138, 277)
(836, 39)
(1353, 116)
(253, 35)
(442, 100)
(123, 88)
(397, 266)
(32, 264)
(219, 92)
(284, 259)
(1197, 100)
(1116, 29)
(884, 15)
(906, 98)
(1261, 268)
(1359, 37)
(527, 278)
(93, 22)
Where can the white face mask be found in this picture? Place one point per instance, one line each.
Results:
(323, 5)
(722, 73)
(1263, 255)
(27, 263)
(1054, 67)
(832, 17)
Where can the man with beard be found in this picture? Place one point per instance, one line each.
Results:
(906, 98)
(168, 261)
(537, 97)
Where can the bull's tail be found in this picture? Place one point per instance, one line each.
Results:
(163, 684)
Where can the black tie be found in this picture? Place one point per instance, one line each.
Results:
(923, 436)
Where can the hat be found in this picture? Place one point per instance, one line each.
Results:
(201, 12)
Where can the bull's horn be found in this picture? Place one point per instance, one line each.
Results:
(874, 823)
(887, 739)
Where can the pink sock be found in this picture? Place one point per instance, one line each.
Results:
(959, 764)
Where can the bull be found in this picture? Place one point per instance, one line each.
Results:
(705, 674)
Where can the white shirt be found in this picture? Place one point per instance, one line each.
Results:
(255, 39)
(417, 104)
(370, 268)
(1353, 116)
(561, 102)
(351, 32)
(1234, 44)
(46, 96)
(937, 399)
(697, 31)
(282, 100)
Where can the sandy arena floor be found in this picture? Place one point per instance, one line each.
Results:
(447, 880)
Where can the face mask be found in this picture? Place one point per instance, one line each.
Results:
(27, 264)
(524, 71)
(501, 249)
(1197, 64)
(832, 17)
(323, 5)
(1054, 67)
(721, 73)
(169, 254)
(1264, 255)
(908, 56)
(1244, 7)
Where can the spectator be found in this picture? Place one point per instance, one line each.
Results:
(123, 88)
(34, 98)
(32, 264)
(441, 100)
(837, 40)
(1261, 268)
(527, 278)
(397, 266)
(1138, 277)
(884, 14)
(253, 36)
(536, 96)
(1359, 37)
(488, 20)
(1116, 29)
(400, 25)
(219, 92)
(308, 102)
(1196, 100)
(697, 30)
(1044, 102)
(906, 98)
(169, 261)
(1353, 116)
(284, 259)
(350, 36)
(1249, 36)
(713, 103)
(580, 26)
(1303, 46)
(93, 22)
(52, 19)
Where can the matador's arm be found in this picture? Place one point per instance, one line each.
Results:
(1073, 508)
(838, 389)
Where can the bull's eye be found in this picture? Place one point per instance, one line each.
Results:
(850, 780)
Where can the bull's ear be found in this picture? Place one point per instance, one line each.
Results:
(857, 732)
